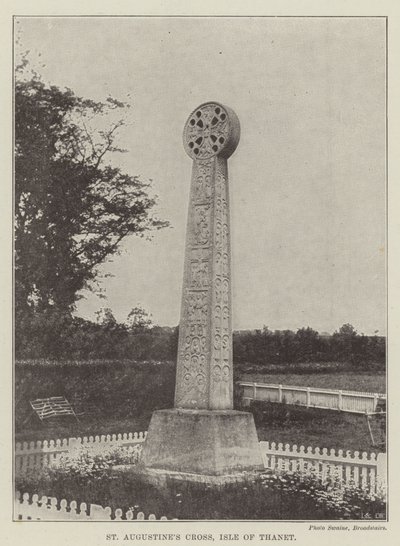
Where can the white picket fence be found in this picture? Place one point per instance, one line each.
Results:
(50, 509)
(351, 401)
(34, 455)
(367, 471)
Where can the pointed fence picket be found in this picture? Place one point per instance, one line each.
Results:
(367, 471)
(31, 508)
(34, 455)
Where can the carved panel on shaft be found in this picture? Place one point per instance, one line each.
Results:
(192, 382)
(221, 377)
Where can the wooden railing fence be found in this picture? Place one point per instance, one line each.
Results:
(341, 400)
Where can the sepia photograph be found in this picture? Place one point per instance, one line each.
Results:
(200, 270)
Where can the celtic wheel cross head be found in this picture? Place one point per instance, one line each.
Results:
(211, 130)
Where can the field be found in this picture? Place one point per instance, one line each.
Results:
(314, 427)
(352, 381)
(124, 395)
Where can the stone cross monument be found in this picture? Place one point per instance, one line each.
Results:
(204, 372)
(203, 435)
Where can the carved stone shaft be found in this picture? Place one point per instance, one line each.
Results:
(204, 370)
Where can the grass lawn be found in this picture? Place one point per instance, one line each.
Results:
(313, 427)
(274, 422)
(353, 381)
(126, 395)
(88, 426)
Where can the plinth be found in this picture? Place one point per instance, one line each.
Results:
(203, 435)
(210, 442)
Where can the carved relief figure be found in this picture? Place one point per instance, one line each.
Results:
(197, 309)
(203, 188)
(199, 274)
(201, 225)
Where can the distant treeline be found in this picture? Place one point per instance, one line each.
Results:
(58, 336)
(307, 345)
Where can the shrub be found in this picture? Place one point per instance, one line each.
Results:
(88, 462)
(73, 471)
(333, 499)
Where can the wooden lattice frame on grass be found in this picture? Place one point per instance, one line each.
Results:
(55, 406)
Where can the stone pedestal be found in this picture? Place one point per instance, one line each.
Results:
(205, 442)
(203, 436)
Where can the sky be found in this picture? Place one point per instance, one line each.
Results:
(307, 181)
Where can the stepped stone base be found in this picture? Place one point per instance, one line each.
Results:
(202, 443)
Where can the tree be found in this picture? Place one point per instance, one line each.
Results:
(72, 208)
(306, 344)
(347, 331)
(344, 342)
(105, 316)
(139, 320)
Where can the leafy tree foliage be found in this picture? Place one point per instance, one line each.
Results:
(346, 342)
(347, 331)
(139, 320)
(105, 316)
(264, 347)
(55, 335)
(72, 208)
